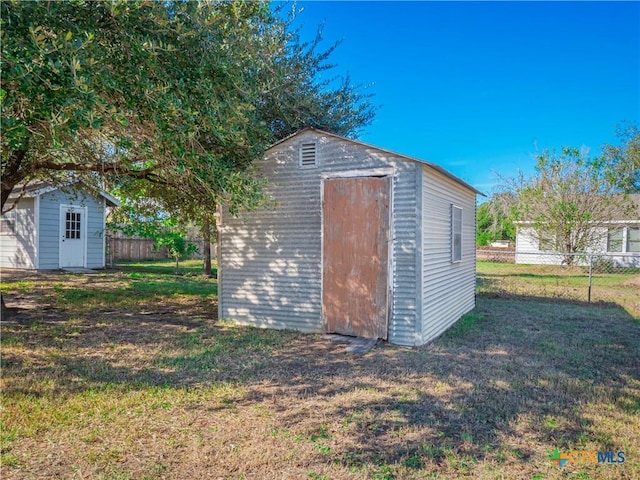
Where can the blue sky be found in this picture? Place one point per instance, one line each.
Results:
(480, 87)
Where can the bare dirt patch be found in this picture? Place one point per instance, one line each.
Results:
(634, 282)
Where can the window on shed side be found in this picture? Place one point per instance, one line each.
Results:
(308, 155)
(8, 223)
(456, 233)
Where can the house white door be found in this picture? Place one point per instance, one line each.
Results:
(73, 231)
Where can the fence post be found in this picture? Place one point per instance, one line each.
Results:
(590, 277)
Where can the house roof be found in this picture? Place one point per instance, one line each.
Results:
(37, 188)
(366, 145)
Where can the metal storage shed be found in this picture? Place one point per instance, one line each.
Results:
(359, 240)
(54, 227)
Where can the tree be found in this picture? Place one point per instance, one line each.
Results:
(570, 200)
(177, 97)
(177, 245)
(143, 218)
(182, 95)
(494, 219)
(623, 161)
(142, 207)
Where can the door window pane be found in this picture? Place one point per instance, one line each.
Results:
(72, 225)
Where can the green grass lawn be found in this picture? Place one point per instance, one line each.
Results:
(621, 288)
(129, 375)
(186, 267)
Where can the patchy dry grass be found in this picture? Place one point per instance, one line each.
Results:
(187, 267)
(620, 287)
(147, 384)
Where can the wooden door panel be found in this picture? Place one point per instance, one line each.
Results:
(355, 255)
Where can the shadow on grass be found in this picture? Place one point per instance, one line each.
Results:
(523, 363)
(139, 288)
(493, 290)
(619, 293)
(121, 290)
(164, 269)
(530, 362)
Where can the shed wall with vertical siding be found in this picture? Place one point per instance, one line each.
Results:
(271, 273)
(271, 259)
(17, 250)
(448, 288)
(49, 228)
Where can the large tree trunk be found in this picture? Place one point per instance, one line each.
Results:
(206, 236)
(12, 174)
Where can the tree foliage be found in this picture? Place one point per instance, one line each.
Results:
(494, 219)
(570, 201)
(142, 218)
(176, 97)
(622, 162)
(141, 215)
(144, 203)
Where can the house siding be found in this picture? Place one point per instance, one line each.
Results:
(18, 250)
(271, 259)
(95, 232)
(448, 288)
(49, 238)
(528, 252)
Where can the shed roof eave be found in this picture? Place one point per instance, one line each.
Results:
(366, 145)
(39, 189)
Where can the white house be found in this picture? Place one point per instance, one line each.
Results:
(359, 240)
(52, 227)
(618, 241)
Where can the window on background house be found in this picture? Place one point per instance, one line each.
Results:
(8, 223)
(456, 234)
(633, 239)
(614, 240)
(546, 244)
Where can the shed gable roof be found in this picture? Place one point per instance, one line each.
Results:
(383, 150)
(37, 189)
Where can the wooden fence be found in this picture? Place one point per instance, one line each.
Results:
(136, 249)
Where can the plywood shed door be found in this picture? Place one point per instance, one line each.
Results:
(355, 256)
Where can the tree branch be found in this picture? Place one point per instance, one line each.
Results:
(113, 168)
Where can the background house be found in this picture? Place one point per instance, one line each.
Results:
(53, 227)
(360, 241)
(619, 242)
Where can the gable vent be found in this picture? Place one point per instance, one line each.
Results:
(308, 155)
